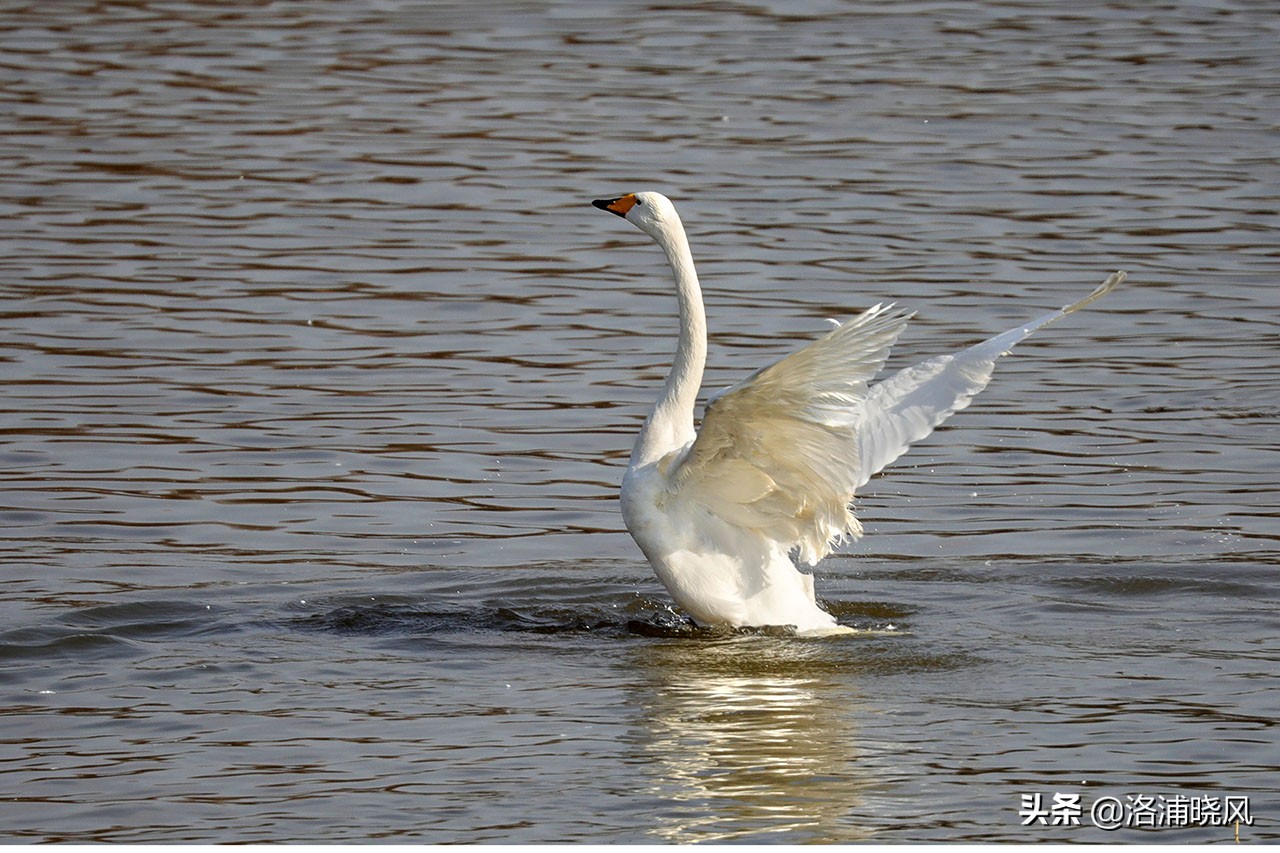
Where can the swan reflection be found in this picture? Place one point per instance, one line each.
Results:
(751, 737)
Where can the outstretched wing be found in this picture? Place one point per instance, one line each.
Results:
(906, 407)
(783, 451)
(778, 452)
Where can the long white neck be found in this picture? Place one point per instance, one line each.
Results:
(670, 424)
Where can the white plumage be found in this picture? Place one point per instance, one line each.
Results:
(719, 512)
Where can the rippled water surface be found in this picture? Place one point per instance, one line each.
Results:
(319, 375)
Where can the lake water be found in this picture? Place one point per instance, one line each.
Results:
(319, 376)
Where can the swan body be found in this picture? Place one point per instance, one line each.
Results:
(720, 512)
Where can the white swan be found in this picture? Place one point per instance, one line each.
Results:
(719, 512)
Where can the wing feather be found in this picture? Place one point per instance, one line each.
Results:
(906, 407)
(783, 451)
(774, 452)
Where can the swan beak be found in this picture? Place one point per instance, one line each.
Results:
(620, 206)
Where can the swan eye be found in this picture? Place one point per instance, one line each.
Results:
(640, 202)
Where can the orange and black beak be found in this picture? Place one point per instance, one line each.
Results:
(620, 206)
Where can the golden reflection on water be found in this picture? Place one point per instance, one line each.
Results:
(751, 737)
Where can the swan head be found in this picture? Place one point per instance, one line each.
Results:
(653, 213)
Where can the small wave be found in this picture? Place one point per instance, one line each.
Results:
(399, 619)
(45, 644)
(106, 630)
(395, 619)
(146, 620)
